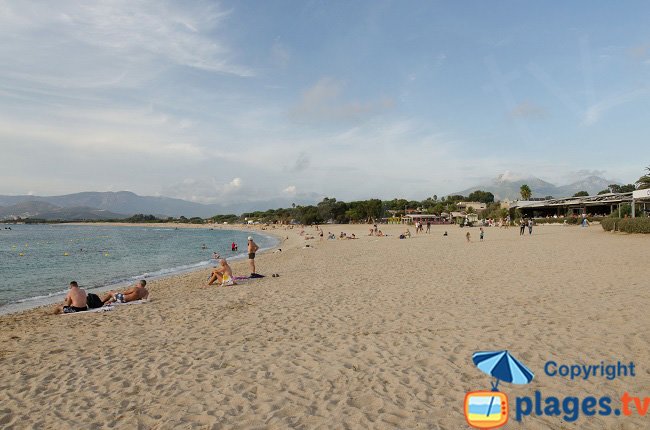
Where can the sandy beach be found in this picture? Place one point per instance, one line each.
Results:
(370, 333)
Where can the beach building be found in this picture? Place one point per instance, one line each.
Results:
(600, 205)
(424, 218)
(477, 206)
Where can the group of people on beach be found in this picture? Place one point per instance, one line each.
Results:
(222, 274)
(78, 300)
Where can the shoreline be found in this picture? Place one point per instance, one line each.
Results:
(39, 302)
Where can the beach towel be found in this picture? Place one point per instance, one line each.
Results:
(109, 307)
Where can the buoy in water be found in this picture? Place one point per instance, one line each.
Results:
(65, 254)
(21, 254)
(106, 254)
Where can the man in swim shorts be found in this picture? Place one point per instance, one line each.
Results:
(75, 300)
(252, 249)
(222, 274)
(137, 292)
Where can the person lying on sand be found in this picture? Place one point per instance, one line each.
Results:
(137, 292)
(222, 274)
(75, 300)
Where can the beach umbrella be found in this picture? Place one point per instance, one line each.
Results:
(502, 366)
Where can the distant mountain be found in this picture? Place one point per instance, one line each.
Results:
(125, 203)
(48, 211)
(27, 209)
(122, 202)
(591, 184)
(79, 213)
(506, 186)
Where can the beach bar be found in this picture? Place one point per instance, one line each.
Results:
(603, 204)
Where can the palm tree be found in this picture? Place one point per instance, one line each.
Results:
(525, 192)
(644, 181)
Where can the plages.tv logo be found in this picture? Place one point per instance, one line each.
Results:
(489, 409)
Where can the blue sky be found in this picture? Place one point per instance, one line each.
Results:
(258, 100)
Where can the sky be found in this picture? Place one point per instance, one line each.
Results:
(230, 101)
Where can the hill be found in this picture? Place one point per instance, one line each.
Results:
(506, 186)
(126, 203)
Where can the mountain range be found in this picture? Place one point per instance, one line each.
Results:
(122, 204)
(505, 186)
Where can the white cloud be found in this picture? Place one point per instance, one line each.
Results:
(77, 44)
(290, 190)
(595, 112)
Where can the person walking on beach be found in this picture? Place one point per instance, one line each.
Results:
(252, 249)
(468, 237)
(522, 227)
(137, 292)
(429, 227)
(75, 301)
(530, 226)
(481, 235)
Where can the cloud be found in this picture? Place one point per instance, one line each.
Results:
(205, 190)
(528, 110)
(596, 111)
(302, 163)
(325, 102)
(290, 190)
(122, 43)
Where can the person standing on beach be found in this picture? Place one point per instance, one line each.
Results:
(75, 301)
(481, 235)
(468, 237)
(522, 227)
(530, 226)
(252, 249)
(429, 227)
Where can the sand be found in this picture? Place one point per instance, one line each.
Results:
(367, 333)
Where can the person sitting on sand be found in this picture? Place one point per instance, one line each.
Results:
(75, 300)
(407, 233)
(137, 292)
(222, 274)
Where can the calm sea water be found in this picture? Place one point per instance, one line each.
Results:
(101, 256)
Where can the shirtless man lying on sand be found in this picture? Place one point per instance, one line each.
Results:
(222, 274)
(137, 292)
(75, 300)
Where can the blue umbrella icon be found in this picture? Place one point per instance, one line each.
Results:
(503, 367)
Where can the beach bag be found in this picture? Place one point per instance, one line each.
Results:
(93, 301)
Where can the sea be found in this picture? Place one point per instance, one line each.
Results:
(38, 261)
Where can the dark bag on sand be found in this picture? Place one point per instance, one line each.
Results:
(93, 301)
